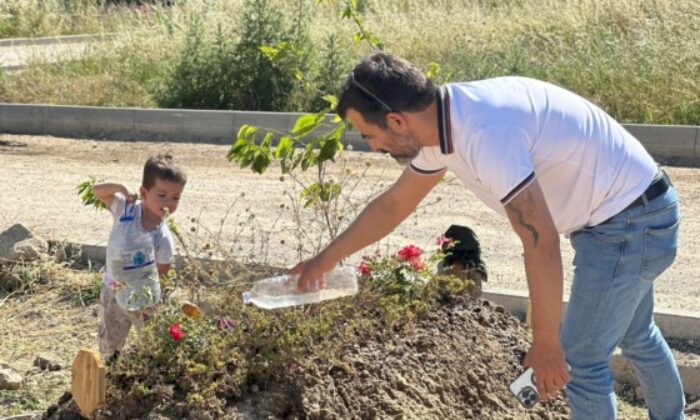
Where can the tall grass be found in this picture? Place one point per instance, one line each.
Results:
(638, 59)
(37, 18)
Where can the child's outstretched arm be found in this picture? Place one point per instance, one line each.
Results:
(105, 192)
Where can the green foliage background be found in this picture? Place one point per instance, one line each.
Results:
(638, 59)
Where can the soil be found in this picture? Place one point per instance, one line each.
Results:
(455, 363)
(41, 174)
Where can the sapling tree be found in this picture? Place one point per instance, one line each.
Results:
(315, 140)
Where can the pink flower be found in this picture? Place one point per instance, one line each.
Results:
(417, 264)
(364, 269)
(226, 324)
(409, 253)
(444, 240)
(175, 332)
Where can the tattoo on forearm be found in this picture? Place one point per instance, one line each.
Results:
(521, 220)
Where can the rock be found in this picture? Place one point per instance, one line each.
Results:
(30, 249)
(639, 393)
(10, 379)
(48, 361)
(19, 243)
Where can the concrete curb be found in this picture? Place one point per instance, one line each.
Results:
(62, 39)
(221, 127)
(672, 323)
(139, 124)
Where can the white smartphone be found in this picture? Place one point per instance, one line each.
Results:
(524, 388)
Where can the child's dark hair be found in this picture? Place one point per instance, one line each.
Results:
(162, 167)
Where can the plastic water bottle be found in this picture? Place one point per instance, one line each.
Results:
(282, 292)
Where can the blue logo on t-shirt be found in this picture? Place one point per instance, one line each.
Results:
(139, 258)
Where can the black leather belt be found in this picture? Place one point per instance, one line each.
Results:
(658, 186)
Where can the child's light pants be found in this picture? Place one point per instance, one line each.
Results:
(115, 323)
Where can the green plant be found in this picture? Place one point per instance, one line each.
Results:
(227, 70)
(86, 194)
(407, 282)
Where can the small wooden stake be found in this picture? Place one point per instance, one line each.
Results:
(88, 381)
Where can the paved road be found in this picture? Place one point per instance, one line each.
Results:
(18, 53)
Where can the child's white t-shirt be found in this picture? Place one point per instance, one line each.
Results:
(163, 243)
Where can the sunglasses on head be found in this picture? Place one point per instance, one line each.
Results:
(359, 85)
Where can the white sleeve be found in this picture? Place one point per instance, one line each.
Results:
(165, 248)
(426, 163)
(117, 206)
(500, 154)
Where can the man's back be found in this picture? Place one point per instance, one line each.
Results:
(587, 164)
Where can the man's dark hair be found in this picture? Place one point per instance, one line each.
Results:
(162, 167)
(383, 83)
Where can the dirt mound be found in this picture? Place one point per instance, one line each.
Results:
(454, 362)
(457, 363)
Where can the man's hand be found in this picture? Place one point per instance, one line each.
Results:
(551, 372)
(311, 273)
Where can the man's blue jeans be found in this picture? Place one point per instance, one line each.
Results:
(612, 304)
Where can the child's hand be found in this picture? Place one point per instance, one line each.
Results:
(128, 195)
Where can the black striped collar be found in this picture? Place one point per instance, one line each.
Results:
(444, 127)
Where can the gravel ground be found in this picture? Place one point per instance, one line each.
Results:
(40, 174)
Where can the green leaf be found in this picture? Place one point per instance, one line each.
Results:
(329, 148)
(267, 141)
(329, 191)
(311, 194)
(332, 100)
(433, 70)
(307, 124)
(270, 52)
(240, 146)
(261, 162)
(284, 147)
(309, 157)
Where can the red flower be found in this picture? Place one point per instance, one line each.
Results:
(364, 269)
(175, 332)
(409, 253)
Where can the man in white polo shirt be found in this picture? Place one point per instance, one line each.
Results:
(553, 163)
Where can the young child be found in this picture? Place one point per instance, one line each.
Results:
(139, 250)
